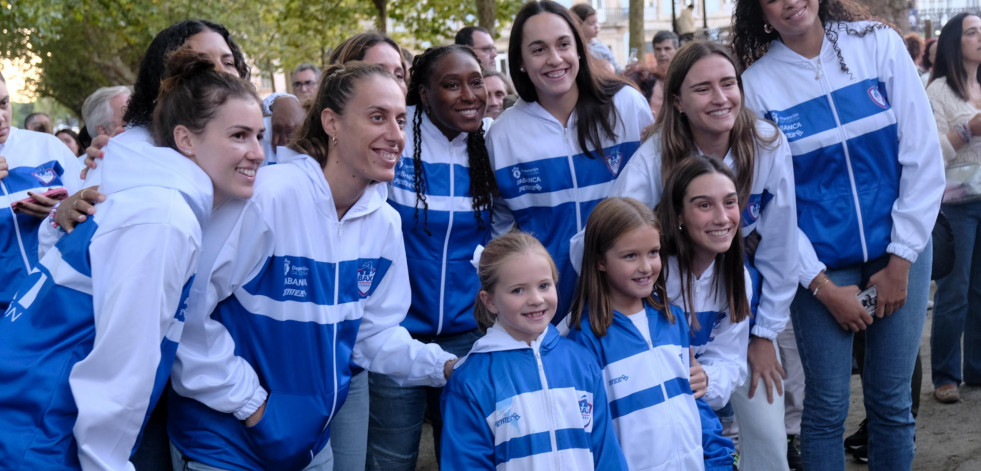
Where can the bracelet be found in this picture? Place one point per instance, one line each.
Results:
(818, 288)
(964, 132)
(54, 222)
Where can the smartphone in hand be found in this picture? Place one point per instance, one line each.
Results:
(56, 193)
(869, 297)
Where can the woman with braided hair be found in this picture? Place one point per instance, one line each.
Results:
(443, 189)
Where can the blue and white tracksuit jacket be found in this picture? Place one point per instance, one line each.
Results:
(36, 162)
(298, 298)
(444, 282)
(771, 211)
(548, 185)
(720, 345)
(651, 402)
(514, 406)
(88, 343)
(867, 162)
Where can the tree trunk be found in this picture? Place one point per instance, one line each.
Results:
(485, 16)
(636, 26)
(893, 11)
(382, 19)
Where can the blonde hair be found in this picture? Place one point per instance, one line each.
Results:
(610, 220)
(495, 255)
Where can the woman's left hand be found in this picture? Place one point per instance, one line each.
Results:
(890, 284)
(764, 366)
(699, 380)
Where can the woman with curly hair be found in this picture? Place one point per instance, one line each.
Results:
(869, 179)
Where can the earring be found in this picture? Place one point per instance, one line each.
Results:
(333, 140)
(767, 28)
(681, 228)
(187, 151)
(522, 68)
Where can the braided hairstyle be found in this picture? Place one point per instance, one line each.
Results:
(483, 185)
(750, 41)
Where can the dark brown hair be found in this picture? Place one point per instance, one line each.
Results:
(595, 112)
(950, 57)
(729, 268)
(191, 92)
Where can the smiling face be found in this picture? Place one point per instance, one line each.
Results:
(796, 21)
(496, 92)
(370, 133)
(385, 55)
(709, 97)
(549, 56)
(710, 217)
(214, 46)
(632, 266)
(229, 149)
(524, 297)
(455, 94)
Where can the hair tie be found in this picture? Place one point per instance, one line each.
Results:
(477, 252)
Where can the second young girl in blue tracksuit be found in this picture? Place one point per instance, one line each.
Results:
(642, 346)
(525, 398)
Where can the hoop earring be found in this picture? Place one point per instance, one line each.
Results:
(767, 28)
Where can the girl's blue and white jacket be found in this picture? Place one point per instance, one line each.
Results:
(771, 211)
(297, 298)
(36, 162)
(444, 282)
(548, 186)
(89, 341)
(511, 406)
(720, 345)
(647, 384)
(867, 160)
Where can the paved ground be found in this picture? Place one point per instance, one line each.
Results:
(948, 436)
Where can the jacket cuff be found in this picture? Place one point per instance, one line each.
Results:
(438, 377)
(760, 331)
(253, 405)
(902, 251)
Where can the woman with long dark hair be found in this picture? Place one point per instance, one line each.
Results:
(558, 150)
(955, 94)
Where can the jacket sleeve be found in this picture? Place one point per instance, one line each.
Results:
(138, 277)
(502, 218)
(207, 369)
(385, 347)
(467, 442)
(776, 256)
(921, 182)
(724, 361)
(940, 97)
(717, 448)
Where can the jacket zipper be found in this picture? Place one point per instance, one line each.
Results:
(446, 245)
(548, 401)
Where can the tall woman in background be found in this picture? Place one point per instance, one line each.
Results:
(955, 94)
(568, 137)
(868, 179)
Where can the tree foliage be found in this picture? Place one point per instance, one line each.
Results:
(76, 46)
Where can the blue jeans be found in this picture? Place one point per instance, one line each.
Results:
(890, 353)
(957, 306)
(397, 413)
(349, 426)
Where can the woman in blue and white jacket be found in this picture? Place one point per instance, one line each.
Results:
(443, 190)
(89, 340)
(869, 179)
(557, 151)
(709, 119)
(310, 282)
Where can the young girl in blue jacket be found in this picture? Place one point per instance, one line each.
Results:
(642, 346)
(525, 398)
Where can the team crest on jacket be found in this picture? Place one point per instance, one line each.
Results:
(586, 409)
(614, 161)
(877, 97)
(366, 276)
(516, 172)
(44, 175)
